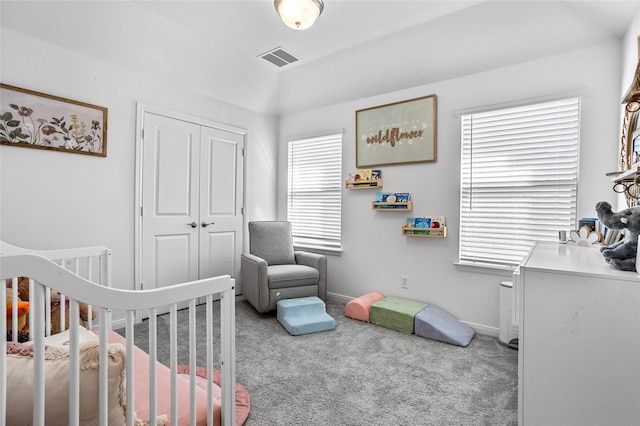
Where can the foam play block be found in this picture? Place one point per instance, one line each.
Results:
(360, 307)
(437, 324)
(304, 315)
(396, 313)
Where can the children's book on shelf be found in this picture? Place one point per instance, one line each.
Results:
(591, 222)
(438, 222)
(422, 225)
(402, 197)
(612, 236)
(381, 197)
(392, 197)
(363, 175)
(411, 222)
(423, 222)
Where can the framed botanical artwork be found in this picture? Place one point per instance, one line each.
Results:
(397, 133)
(36, 120)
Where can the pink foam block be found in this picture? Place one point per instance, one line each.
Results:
(359, 307)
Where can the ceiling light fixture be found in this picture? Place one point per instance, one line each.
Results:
(299, 14)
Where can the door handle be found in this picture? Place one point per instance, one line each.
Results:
(205, 224)
(193, 224)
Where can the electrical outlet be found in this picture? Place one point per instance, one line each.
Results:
(404, 281)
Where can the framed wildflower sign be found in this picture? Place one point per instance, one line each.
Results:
(397, 133)
(36, 120)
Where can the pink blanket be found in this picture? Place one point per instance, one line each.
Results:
(163, 378)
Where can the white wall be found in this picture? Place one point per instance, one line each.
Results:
(58, 200)
(51, 199)
(375, 254)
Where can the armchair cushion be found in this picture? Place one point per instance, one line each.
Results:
(272, 241)
(283, 276)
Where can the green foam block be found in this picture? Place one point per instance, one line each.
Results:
(396, 313)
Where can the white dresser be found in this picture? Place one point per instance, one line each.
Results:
(579, 342)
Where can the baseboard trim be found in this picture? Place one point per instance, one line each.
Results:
(339, 297)
(485, 330)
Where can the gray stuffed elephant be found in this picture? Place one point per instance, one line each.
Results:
(621, 255)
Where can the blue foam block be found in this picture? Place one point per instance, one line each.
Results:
(304, 315)
(437, 324)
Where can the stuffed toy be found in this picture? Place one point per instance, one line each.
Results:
(23, 310)
(621, 255)
(23, 293)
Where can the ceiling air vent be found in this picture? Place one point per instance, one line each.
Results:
(279, 57)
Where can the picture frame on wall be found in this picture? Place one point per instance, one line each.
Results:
(38, 120)
(397, 133)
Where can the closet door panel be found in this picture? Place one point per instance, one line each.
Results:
(221, 247)
(170, 210)
(221, 177)
(172, 257)
(221, 174)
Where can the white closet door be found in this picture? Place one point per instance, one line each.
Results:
(170, 211)
(221, 174)
(192, 197)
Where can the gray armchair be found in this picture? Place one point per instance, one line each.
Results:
(272, 270)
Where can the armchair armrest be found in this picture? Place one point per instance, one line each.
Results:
(318, 261)
(254, 281)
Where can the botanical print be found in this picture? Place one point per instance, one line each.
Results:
(37, 120)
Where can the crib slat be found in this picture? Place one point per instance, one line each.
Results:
(103, 371)
(192, 361)
(3, 359)
(62, 311)
(14, 311)
(129, 368)
(209, 336)
(173, 343)
(31, 309)
(227, 359)
(74, 366)
(47, 312)
(38, 359)
(153, 357)
(90, 278)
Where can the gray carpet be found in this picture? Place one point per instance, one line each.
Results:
(361, 374)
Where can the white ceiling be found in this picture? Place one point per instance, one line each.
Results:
(212, 47)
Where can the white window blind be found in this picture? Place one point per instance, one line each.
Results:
(314, 195)
(519, 176)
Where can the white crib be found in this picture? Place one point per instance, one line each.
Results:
(84, 275)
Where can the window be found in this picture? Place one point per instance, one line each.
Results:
(314, 194)
(519, 176)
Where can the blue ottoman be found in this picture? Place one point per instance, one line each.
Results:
(304, 315)
(437, 324)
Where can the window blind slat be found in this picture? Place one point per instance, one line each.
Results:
(519, 174)
(315, 192)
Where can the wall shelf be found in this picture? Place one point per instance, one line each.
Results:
(627, 175)
(401, 206)
(627, 183)
(425, 232)
(363, 184)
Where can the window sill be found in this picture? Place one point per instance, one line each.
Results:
(485, 268)
(326, 252)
